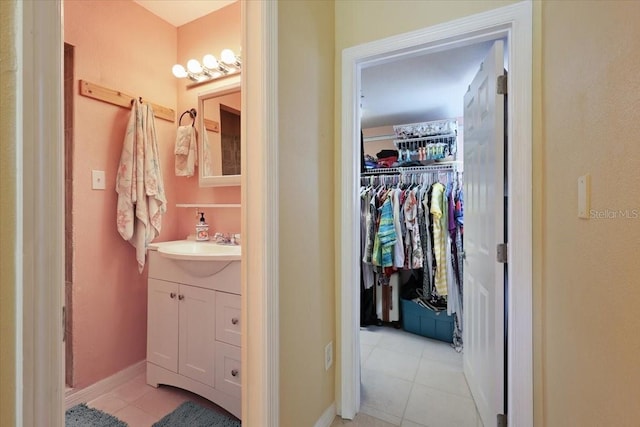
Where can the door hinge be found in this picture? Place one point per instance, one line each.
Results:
(501, 85)
(502, 420)
(501, 253)
(64, 323)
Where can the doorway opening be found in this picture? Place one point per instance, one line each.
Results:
(512, 23)
(413, 113)
(41, 367)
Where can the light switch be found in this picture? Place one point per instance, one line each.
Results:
(584, 196)
(97, 180)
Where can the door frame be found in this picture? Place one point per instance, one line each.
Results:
(515, 23)
(39, 259)
(39, 214)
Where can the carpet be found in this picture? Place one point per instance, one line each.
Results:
(82, 416)
(191, 415)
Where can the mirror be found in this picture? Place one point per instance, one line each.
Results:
(219, 112)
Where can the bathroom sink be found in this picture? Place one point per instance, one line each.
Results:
(192, 250)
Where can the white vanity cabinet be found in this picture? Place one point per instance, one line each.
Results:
(193, 328)
(180, 319)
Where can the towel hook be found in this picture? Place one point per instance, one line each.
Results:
(192, 113)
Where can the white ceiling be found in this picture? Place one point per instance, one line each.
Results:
(179, 12)
(421, 88)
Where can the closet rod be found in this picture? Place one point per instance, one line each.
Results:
(378, 138)
(122, 99)
(413, 169)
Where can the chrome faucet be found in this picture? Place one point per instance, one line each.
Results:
(227, 238)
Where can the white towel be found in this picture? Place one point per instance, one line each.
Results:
(186, 151)
(141, 198)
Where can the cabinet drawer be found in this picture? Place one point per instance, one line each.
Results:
(228, 373)
(228, 318)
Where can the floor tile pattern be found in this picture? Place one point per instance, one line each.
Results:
(407, 381)
(140, 405)
(411, 381)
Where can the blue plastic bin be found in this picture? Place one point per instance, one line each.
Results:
(426, 322)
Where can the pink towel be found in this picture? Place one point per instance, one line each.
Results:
(141, 198)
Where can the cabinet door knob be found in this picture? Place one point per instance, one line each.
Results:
(234, 321)
(172, 295)
(180, 297)
(234, 372)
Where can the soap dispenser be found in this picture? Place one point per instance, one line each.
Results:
(202, 229)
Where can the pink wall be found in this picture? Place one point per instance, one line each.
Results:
(209, 34)
(120, 45)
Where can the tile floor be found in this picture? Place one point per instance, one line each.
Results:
(141, 405)
(411, 381)
(407, 381)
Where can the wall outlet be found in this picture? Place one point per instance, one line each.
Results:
(328, 356)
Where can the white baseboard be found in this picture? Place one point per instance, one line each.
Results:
(73, 397)
(327, 417)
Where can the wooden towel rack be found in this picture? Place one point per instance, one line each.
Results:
(122, 99)
(211, 125)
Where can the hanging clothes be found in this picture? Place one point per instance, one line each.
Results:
(423, 225)
(385, 237)
(141, 199)
(426, 217)
(367, 292)
(439, 213)
(455, 227)
(398, 216)
(366, 232)
(412, 242)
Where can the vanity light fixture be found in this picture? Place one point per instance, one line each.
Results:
(211, 68)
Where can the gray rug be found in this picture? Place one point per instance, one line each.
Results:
(82, 416)
(191, 415)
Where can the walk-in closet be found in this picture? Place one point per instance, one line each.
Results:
(411, 228)
(412, 235)
(412, 221)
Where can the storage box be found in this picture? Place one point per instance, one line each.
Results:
(426, 322)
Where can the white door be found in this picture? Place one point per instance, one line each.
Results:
(162, 321)
(197, 334)
(483, 322)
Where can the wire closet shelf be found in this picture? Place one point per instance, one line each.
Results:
(433, 140)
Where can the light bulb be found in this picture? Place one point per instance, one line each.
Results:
(210, 62)
(194, 66)
(228, 57)
(179, 71)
